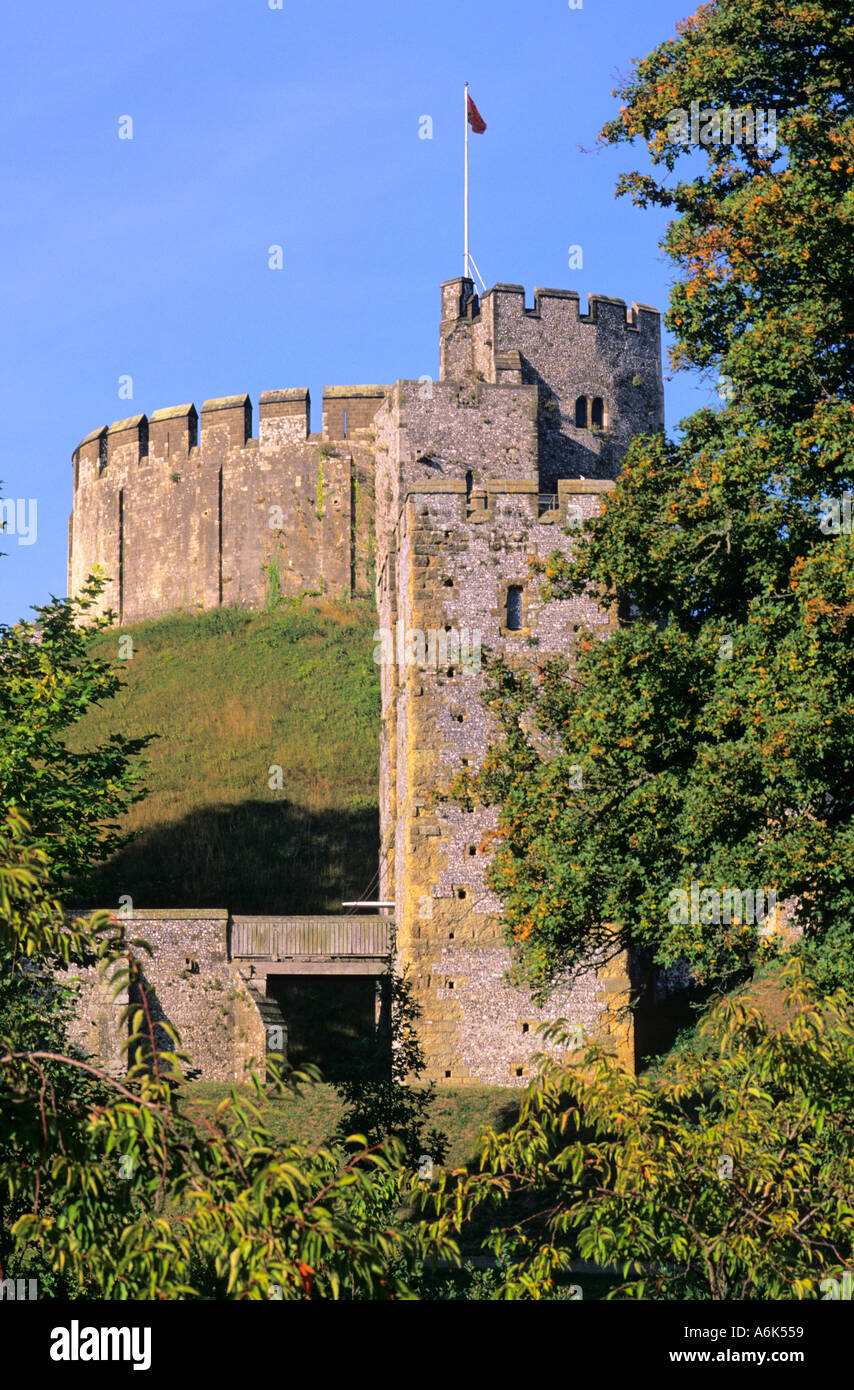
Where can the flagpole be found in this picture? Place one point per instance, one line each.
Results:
(466, 185)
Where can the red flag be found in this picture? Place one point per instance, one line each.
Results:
(476, 121)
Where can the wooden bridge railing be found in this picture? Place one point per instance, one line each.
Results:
(273, 938)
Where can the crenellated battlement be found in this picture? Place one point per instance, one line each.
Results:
(173, 432)
(187, 508)
(225, 423)
(460, 303)
(349, 409)
(608, 358)
(196, 507)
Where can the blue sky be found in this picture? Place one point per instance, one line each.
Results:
(296, 127)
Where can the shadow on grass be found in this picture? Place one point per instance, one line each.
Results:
(254, 857)
(507, 1116)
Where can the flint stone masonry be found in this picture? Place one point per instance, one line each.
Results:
(476, 475)
(481, 1031)
(611, 352)
(437, 494)
(191, 984)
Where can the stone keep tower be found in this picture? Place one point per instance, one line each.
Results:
(183, 510)
(476, 473)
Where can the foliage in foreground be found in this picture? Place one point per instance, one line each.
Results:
(51, 675)
(726, 1175)
(125, 1196)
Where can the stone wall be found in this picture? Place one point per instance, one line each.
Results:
(190, 984)
(188, 513)
(447, 572)
(612, 353)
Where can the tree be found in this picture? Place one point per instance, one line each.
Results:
(380, 1099)
(34, 1009)
(382, 1103)
(49, 677)
(727, 1174)
(708, 745)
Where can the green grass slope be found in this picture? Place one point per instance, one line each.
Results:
(231, 694)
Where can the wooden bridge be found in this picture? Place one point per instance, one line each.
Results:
(312, 945)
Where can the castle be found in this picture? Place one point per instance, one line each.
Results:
(434, 494)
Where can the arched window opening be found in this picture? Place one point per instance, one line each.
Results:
(514, 607)
(469, 485)
(581, 413)
(597, 413)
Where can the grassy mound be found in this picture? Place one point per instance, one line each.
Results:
(232, 696)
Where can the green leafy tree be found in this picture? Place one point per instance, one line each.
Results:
(49, 677)
(710, 740)
(36, 1000)
(381, 1099)
(726, 1174)
(383, 1102)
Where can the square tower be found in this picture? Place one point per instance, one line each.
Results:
(597, 375)
(477, 474)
